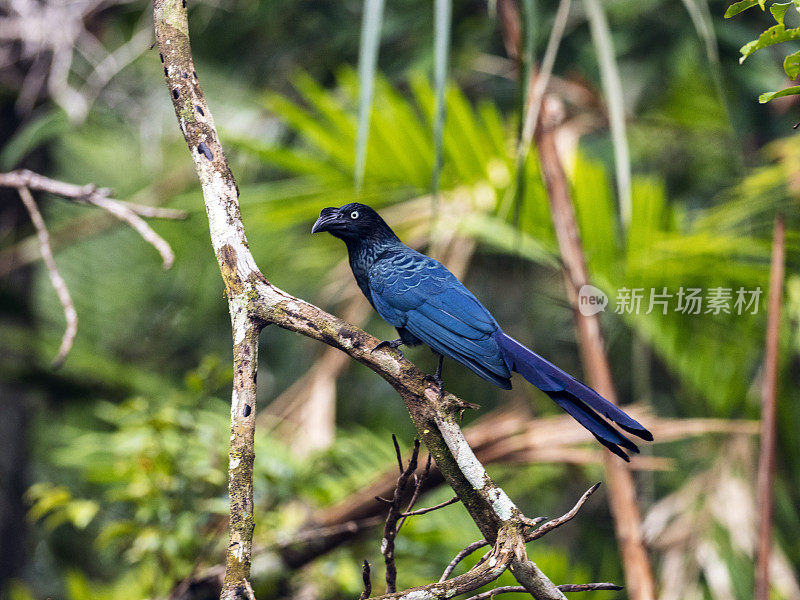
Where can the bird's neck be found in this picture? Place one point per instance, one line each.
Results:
(364, 252)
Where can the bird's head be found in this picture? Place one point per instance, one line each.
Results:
(352, 222)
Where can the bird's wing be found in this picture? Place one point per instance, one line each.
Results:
(418, 293)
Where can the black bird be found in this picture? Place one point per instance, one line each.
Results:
(426, 303)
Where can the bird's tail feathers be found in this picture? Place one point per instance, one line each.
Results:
(579, 400)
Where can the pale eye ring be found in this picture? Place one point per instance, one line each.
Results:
(354, 214)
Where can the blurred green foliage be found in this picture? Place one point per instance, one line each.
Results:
(128, 441)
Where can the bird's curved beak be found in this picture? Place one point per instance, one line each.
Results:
(328, 218)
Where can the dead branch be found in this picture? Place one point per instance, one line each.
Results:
(566, 587)
(461, 556)
(42, 40)
(422, 511)
(554, 523)
(60, 286)
(391, 528)
(24, 181)
(365, 576)
(129, 213)
(420, 482)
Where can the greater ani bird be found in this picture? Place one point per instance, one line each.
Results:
(426, 303)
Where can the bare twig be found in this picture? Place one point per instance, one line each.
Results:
(50, 34)
(461, 556)
(506, 548)
(90, 194)
(249, 589)
(552, 524)
(24, 181)
(566, 587)
(391, 528)
(56, 279)
(422, 511)
(769, 401)
(399, 455)
(589, 587)
(125, 213)
(417, 490)
(537, 83)
(365, 576)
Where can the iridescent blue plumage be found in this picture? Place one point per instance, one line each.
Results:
(426, 303)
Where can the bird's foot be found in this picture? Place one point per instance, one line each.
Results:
(393, 344)
(437, 378)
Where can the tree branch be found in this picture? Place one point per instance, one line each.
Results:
(56, 279)
(254, 302)
(24, 181)
(769, 409)
(391, 527)
(567, 587)
(128, 212)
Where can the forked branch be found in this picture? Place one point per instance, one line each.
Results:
(24, 181)
(254, 303)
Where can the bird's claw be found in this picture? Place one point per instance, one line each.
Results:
(393, 344)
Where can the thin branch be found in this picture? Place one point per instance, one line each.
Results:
(365, 576)
(461, 556)
(622, 492)
(537, 84)
(70, 314)
(589, 587)
(249, 589)
(129, 216)
(399, 455)
(422, 511)
(554, 523)
(566, 587)
(417, 490)
(391, 528)
(507, 546)
(90, 194)
(769, 401)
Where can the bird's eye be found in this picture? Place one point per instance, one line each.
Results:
(354, 214)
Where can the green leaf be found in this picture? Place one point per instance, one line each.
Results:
(441, 45)
(367, 62)
(791, 64)
(34, 134)
(767, 96)
(779, 9)
(612, 89)
(774, 35)
(737, 7)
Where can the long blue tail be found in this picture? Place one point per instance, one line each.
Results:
(577, 399)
